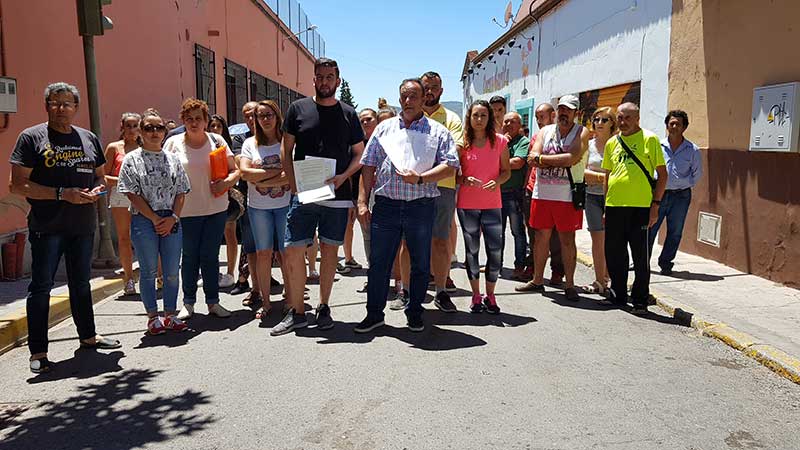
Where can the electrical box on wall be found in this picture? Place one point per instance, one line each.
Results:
(8, 95)
(775, 127)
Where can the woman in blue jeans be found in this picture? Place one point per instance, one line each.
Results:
(205, 207)
(156, 184)
(268, 193)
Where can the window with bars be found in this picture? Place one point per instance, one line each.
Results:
(258, 87)
(205, 76)
(235, 90)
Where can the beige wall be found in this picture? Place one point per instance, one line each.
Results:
(145, 61)
(720, 51)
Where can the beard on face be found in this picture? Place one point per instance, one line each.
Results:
(324, 94)
(433, 102)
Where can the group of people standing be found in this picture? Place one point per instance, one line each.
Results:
(403, 175)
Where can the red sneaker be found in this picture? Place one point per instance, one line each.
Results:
(172, 323)
(155, 326)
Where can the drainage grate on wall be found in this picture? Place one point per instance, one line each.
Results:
(709, 228)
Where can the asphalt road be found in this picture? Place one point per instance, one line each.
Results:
(544, 374)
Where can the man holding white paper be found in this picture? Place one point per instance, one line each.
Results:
(405, 157)
(321, 149)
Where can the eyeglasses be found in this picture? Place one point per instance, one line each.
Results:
(154, 128)
(267, 116)
(55, 104)
(601, 120)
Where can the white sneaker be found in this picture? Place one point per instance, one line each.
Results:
(226, 280)
(186, 312)
(217, 310)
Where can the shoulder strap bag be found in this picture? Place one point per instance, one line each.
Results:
(638, 162)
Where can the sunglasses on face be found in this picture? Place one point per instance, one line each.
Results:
(601, 120)
(154, 128)
(267, 116)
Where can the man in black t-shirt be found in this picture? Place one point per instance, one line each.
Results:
(326, 128)
(58, 167)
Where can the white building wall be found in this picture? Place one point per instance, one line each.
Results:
(584, 46)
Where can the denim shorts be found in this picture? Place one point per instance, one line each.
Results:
(305, 219)
(595, 207)
(268, 227)
(445, 205)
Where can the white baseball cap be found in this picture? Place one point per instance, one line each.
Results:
(570, 101)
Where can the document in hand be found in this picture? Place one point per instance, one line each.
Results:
(310, 175)
(409, 150)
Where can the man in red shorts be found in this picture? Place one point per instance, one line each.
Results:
(559, 159)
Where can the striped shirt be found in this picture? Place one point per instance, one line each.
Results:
(387, 182)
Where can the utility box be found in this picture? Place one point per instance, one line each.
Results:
(8, 95)
(775, 126)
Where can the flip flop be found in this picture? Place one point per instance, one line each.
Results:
(103, 343)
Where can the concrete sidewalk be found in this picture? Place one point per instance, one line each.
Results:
(752, 314)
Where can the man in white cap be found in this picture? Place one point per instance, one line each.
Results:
(558, 156)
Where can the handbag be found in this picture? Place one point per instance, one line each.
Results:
(638, 163)
(578, 191)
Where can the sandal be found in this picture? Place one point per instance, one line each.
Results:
(41, 365)
(251, 298)
(595, 288)
(103, 343)
(262, 313)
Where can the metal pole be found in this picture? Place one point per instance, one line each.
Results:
(106, 257)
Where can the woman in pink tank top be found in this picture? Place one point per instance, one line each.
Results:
(484, 167)
(118, 203)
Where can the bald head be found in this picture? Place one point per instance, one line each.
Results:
(628, 118)
(545, 115)
(512, 124)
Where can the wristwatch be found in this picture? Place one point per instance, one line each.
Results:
(175, 216)
(656, 202)
(419, 180)
(59, 192)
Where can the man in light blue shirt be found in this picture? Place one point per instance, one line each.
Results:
(684, 168)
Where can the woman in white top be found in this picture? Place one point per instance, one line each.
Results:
(268, 193)
(604, 125)
(205, 207)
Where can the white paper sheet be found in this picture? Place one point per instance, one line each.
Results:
(310, 176)
(409, 150)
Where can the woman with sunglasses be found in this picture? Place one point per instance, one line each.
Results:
(205, 208)
(605, 126)
(156, 184)
(117, 202)
(268, 194)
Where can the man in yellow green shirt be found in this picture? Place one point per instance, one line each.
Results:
(632, 200)
(442, 245)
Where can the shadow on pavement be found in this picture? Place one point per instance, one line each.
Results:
(691, 276)
(84, 364)
(432, 338)
(116, 412)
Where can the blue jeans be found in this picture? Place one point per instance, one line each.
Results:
(391, 220)
(674, 207)
(512, 212)
(149, 246)
(46, 252)
(202, 237)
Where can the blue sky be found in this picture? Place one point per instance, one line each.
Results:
(379, 43)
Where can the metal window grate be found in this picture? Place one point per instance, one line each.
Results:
(205, 76)
(235, 90)
(258, 87)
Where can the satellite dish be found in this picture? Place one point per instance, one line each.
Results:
(508, 13)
